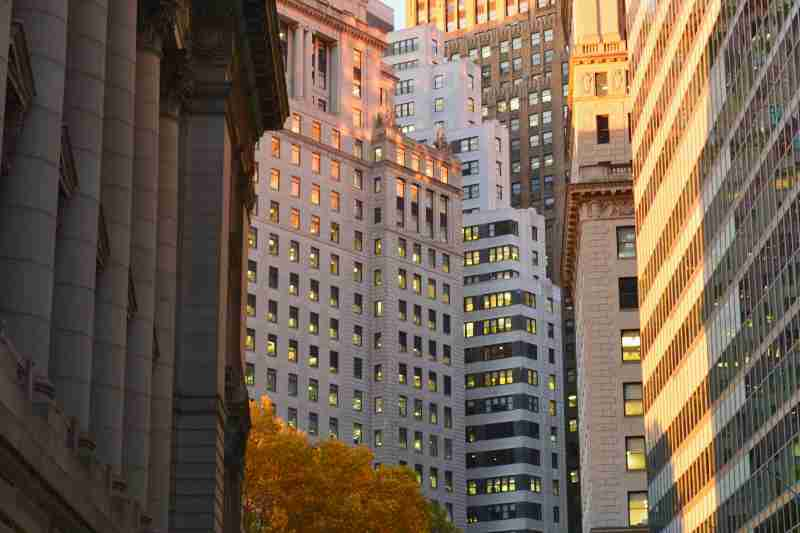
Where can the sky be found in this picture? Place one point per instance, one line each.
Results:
(399, 12)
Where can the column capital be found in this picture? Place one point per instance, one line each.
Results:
(156, 20)
(177, 83)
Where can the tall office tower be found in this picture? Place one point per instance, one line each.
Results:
(356, 258)
(523, 65)
(599, 269)
(123, 211)
(516, 473)
(716, 148)
(515, 427)
(435, 97)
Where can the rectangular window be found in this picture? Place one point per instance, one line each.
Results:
(631, 345)
(603, 133)
(628, 293)
(635, 455)
(632, 395)
(626, 242)
(637, 509)
(601, 83)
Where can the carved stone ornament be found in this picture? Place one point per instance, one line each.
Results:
(156, 19)
(587, 84)
(607, 208)
(619, 80)
(177, 83)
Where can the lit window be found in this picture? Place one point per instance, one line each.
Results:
(632, 395)
(637, 509)
(626, 242)
(631, 345)
(635, 453)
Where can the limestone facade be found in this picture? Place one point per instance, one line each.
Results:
(355, 258)
(599, 270)
(127, 157)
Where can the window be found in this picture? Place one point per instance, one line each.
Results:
(358, 118)
(357, 64)
(292, 385)
(334, 297)
(601, 83)
(313, 390)
(315, 193)
(294, 317)
(335, 170)
(358, 272)
(252, 237)
(296, 154)
(603, 133)
(635, 456)
(402, 406)
(626, 242)
(336, 139)
(628, 293)
(631, 345)
(314, 226)
(438, 81)
(632, 396)
(637, 509)
(358, 433)
(438, 104)
(272, 280)
(377, 277)
(334, 263)
(334, 232)
(405, 109)
(358, 400)
(358, 335)
(358, 148)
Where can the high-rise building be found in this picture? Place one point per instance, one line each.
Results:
(514, 410)
(599, 270)
(716, 148)
(434, 97)
(122, 229)
(354, 274)
(516, 474)
(523, 79)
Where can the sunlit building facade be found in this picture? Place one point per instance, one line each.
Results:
(354, 270)
(599, 269)
(516, 472)
(715, 153)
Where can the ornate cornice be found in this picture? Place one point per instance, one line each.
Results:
(591, 200)
(338, 23)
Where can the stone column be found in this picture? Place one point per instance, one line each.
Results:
(174, 89)
(299, 59)
(308, 57)
(201, 328)
(111, 313)
(74, 292)
(139, 360)
(29, 194)
(5, 39)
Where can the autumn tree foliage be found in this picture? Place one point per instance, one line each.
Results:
(292, 486)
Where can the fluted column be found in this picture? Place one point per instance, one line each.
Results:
(111, 312)
(5, 40)
(174, 89)
(139, 361)
(29, 194)
(74, 292)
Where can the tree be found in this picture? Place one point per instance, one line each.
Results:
(292, 486)
(438, 521)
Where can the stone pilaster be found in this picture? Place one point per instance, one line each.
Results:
(5, 41)
(299, 62)
(175, 88)
(112, 305)
(201, 344)
(74, 292)
(29, 195)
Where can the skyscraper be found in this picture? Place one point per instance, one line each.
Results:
(715, 152)
(355, 260)
(514, 407)
(599, 269)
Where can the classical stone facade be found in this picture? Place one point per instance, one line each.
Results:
(127, 134)
(599, 271)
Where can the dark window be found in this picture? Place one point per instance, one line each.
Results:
(603, 134)
(358, 371)
(628, 293)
